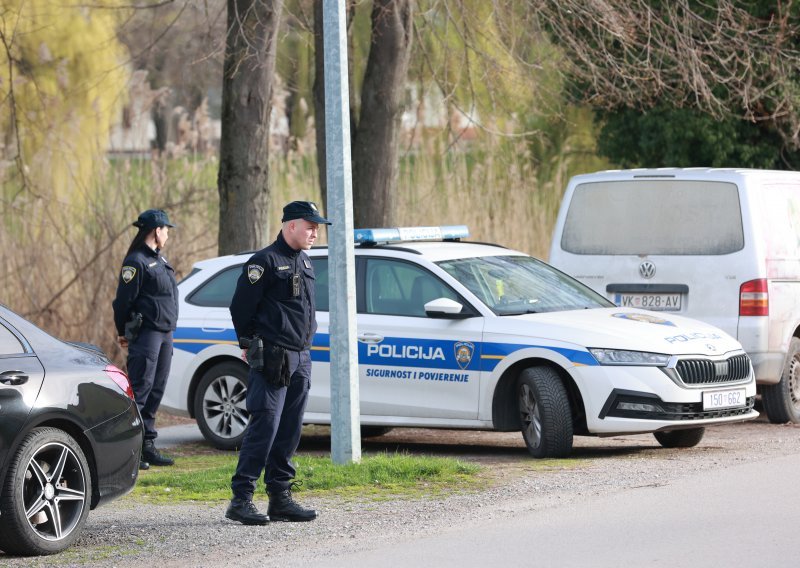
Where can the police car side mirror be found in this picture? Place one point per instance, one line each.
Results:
(445, 308)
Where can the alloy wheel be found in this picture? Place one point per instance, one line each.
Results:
(54, 491)
(530, 415)
(224, 406)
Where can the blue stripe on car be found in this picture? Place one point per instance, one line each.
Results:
(395, 351)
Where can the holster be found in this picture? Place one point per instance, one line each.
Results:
(269, 359)
(276, 365)
(132, 327)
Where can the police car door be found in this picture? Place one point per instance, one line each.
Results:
(412, 365)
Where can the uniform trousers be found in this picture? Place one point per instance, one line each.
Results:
(149, 360)
(273, 433)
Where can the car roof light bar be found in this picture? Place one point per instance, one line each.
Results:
(401, 234)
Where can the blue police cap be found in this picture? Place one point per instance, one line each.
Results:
(152, 219)
(303, 210)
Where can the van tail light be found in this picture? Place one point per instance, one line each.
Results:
(119, 377)
(754, 298)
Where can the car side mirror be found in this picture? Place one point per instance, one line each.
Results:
(445, 308)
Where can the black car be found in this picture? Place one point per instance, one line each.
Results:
(70, 436)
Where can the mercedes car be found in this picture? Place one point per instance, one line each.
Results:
(70, 436)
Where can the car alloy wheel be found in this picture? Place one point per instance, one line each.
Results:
(529, 414)
(47, 494)
(221, 405)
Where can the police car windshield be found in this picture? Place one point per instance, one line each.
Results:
(513, 285)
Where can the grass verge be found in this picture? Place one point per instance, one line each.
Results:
(207, 477)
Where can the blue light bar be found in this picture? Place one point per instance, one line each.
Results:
(400, 234)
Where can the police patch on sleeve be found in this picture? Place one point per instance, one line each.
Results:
(254, 272)
(128, 272)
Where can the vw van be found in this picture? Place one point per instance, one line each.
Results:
(718, 245)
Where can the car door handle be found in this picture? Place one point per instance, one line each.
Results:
(370, 337)
(13, 378)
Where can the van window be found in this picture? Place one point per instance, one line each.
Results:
(649, 217)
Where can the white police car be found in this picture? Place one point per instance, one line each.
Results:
(467, 335)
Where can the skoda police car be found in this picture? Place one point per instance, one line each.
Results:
(456, 334)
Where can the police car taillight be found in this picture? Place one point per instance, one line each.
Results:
(400, 234)
(119, 377)
(754, 298)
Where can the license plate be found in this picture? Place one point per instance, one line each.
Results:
(656, 302)
(724, 399)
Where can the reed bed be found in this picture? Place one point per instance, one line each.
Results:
(61, 257)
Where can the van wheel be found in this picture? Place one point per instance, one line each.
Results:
(220, 405)
(544, 412)
(782, 401)
(688, 438)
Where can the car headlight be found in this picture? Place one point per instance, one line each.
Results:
(622, 357)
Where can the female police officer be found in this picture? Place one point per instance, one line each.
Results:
(145, 315)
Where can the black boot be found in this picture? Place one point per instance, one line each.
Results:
(244, 511)
(143, 465)
(153, 456)
(283, 508)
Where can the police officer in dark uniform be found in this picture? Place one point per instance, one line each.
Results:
(145, 315)
(273, 312)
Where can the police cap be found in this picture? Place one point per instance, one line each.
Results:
(152, 219)
(303, 210)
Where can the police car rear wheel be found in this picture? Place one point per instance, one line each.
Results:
(688, 438)
(220, 405)
(545, 416)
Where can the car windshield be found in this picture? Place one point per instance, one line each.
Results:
(513, 285)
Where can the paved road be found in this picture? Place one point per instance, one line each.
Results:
(171, 436)
(702, 520)
(620, 501)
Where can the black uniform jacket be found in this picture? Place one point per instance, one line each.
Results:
(146, 285)
(267, 304)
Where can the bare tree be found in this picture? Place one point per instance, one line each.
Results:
(375, 123)
(726, 58)
(375, 145)
(243, 180)
(319, 102)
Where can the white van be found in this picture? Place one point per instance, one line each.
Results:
(718, 245)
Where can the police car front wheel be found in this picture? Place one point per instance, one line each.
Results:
(544, 410)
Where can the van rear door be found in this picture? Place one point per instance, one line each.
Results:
(659, 242)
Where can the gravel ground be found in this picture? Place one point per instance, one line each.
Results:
(124, 533)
